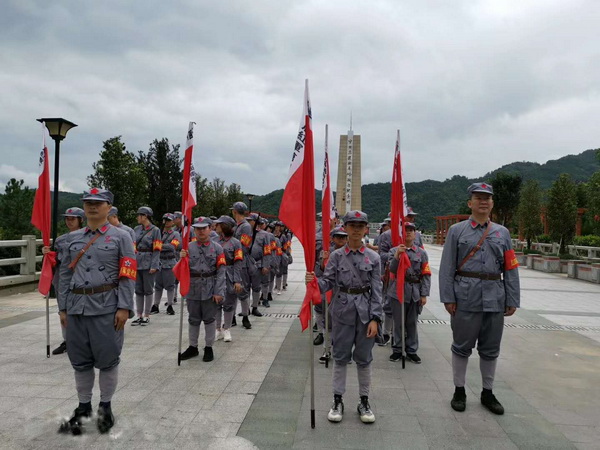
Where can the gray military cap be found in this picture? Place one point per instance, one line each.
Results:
(202, 222)
(355, 216)
(98, 195)
(178, 214)
(339, 231)
(113, 211)
(168, 216)
(239, 207)
(146, 211)
(252, 216)
(410, 225)
(227, 220)
(74, 212)
(410, 212)
(482, 187)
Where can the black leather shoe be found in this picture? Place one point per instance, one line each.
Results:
(75, 423)
(256, 312)
(488, 399)
(106, 420)
(315, 328)
(208, 354)
(60, 349)
(414, 358)
(459, 400)
(266, 304)
(270, 297)
(395, 357)
(154, 309)
(319, 339)
(233, 322)
(190, 353)
(246, 323)
(170, 310)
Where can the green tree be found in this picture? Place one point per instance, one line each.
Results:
(163, 172)
(530, 210)
(507, 188)
(594, 201)
(562, 210)
(118, 171)
(15, 210)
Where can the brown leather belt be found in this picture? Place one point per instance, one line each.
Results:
(144, 250)
(355, 291)
(203, 275)
(412, 280)
(481, 276)
(171, 256)
(94, 290)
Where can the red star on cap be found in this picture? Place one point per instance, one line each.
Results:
(357, 214)
(484, 186)
(94, 191)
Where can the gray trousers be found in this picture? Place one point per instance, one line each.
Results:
(226, 310)
(202, 311)
(144, 283)
(260, 282)
(483, 328)
(92, 341)
(351, 342)
(411, 314)
(165, 279)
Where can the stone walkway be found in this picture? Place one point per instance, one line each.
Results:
(256, 393)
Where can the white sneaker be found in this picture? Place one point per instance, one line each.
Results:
(336, 412)
(278, 291)
(227, 336)
(219, 334)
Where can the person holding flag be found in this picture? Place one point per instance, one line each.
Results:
(354, 274)
(95, 299)
(417, 284)
(74, 221)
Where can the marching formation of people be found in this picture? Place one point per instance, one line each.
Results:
(243, 259)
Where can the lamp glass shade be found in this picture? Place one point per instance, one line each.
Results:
(57, 127)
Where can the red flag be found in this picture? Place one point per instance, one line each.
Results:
(399, 210)
(298, 208)
(40, 216)
(188, 201)
(327, 205)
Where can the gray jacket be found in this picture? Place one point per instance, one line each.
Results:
(171, 244)
(419, 269)
(205, 259)
(353, 269)
(474, 294)
(234, 257)
(109, 260)
(147, 244)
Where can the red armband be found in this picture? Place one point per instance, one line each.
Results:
(175, 243)
(267, 249)
(221, 261)
(510, 260)
(246, 240)
(194, 239)
(157, 245)
(128, 268)
(279, 251)
(238, 255)
(425, 269)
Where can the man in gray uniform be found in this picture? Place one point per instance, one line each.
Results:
(165, 278)
(417, 284)
(354, 274)
(74, 221)
(479, 286)
(207, 288)
(113, 219)
(261, 254)
(95, 299)
(243, 232)
(148, 245)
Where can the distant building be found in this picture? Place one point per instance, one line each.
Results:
(348, 192)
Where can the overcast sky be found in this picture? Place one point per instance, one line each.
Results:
(472, 85)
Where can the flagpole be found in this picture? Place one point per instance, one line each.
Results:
(326, 308)
(48, 325)
(312, 368)
(180, 329)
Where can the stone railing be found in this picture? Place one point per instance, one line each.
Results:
(27, 261)
(575, 250)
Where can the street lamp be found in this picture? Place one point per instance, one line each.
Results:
(250, 197)
(57, 128)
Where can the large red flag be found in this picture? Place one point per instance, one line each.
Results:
(399, 210)
(40, 216)
(188, 201)
(298, 208)
(327, 205)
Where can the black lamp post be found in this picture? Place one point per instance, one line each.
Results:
(250, 197)
(57, 128)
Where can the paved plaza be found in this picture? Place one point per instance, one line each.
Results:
(256, 393)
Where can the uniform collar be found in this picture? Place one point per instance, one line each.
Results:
(413, 248)
(203, 244)
(474, 224)
(347, 249)
(148, 227)
(101, 229)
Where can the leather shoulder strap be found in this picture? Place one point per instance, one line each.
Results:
(476, 248)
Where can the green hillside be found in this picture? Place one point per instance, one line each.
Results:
(430, 198)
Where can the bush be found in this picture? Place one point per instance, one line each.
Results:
(590, 240)
(567, 256)
(527, 251)
(544, 239)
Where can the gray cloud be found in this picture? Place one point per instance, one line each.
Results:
(471, 84)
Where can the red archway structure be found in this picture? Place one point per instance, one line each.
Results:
(443, 223)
